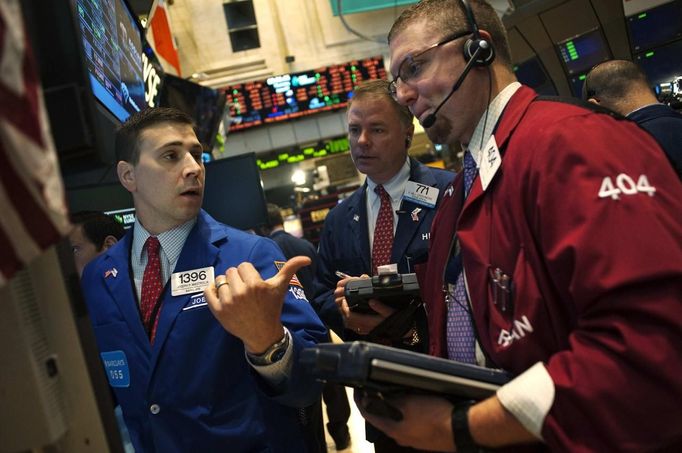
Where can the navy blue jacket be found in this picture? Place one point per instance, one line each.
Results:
(665, 125)
(344, 243)
(193, 390)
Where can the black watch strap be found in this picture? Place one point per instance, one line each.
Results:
(464, 443)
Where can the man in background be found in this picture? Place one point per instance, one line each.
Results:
(196, 363)
(621, 86)
(93, 233)
(334, 395)
(380, 223)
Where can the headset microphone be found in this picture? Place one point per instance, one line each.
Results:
(431, 117)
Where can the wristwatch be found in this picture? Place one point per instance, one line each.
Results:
(273, 354)
(464, 443)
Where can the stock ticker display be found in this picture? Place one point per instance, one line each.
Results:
(299, 94)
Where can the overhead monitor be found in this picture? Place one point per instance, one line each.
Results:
(662, 64)
(299, 94)
(581, 52)
(533, 74)
(112, 47)
(234, 194)
(576, 82)
(110, 198)
(656, 26)
(203, 104)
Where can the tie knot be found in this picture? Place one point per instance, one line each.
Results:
(469, 162)
(153, 245)
(379, 190)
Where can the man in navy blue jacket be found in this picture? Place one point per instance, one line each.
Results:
(380, 133)
(207, 366)
(621, 86)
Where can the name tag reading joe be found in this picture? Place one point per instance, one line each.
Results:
(192, 281)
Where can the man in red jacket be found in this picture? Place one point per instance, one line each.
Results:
(562, 262)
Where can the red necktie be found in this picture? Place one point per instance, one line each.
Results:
(383, 231)
(152, 287)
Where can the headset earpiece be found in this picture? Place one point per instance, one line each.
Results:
(487, 53)
(485, 56)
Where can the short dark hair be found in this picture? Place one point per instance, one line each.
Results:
(613, 80)
(274, 215)
(128, 135)
(450, 17)
(97, 226)
(380, 89)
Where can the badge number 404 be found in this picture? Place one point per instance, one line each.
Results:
(625, 185)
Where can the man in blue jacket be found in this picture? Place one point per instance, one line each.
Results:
(196, 365)
(621, 86)
(380, 133)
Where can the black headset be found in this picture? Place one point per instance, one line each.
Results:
(487, 53)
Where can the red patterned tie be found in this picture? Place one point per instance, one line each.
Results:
(152, 287)
(383, 231)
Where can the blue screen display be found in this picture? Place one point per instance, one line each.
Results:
(582, 52)
(662, 64)
(113, 54)
(656, 26)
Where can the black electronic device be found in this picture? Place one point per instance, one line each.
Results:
(204, 105)
(384, 369)
(234, 194)
(91, 71)
(395, 290)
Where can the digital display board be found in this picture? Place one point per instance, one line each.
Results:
(112, 49)
(582, 52)
(299, 94)
(663, 64)
(655, 26)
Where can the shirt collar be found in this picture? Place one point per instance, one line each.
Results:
(171, 241)
(494, 112)
(642, 107)
(396, 185)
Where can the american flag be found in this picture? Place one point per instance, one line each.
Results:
(160, 37)
(33, 212)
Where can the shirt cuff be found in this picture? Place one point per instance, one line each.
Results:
(529, 397)
(278, 372)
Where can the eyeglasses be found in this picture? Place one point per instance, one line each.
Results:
(412, 65)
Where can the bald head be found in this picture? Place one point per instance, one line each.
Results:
(619, 85)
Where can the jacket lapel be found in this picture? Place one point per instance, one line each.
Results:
(122, 288)
(513, 112)
(407, 227)
(357, 215)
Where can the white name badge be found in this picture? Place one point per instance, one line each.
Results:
(421, 194)
(192, 281)
(490, 162)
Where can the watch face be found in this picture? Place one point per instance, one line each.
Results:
(277, 355)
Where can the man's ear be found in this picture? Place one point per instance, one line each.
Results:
(409, 135)
(126, 175)
(108, 242)
(594, 101)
